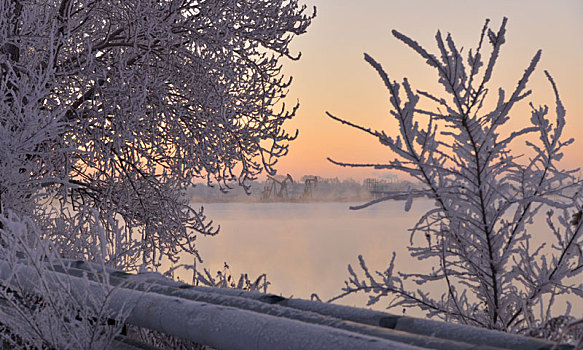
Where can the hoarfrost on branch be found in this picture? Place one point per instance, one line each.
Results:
(111, 109)
(486, 195)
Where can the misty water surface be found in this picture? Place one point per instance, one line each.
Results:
(305, 248)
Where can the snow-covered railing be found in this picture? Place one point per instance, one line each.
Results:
(236, 319)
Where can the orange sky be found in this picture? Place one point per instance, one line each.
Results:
(332, 75)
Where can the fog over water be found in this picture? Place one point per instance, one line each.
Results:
(305, 248)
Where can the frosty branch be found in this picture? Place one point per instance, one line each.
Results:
(118, 106)
(109, 111)
(486, 195)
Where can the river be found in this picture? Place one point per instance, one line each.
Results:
(305, 248)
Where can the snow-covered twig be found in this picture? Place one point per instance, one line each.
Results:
(486, 196)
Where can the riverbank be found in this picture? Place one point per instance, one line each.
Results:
(308, 189)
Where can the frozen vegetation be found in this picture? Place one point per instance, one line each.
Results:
(109, 112)
(486, 194)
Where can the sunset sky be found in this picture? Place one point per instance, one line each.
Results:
(333, 76)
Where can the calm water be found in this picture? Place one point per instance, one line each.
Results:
(305, 248)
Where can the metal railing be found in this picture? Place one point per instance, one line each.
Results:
(237, 319)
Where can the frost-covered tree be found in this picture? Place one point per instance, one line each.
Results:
(110, 109)
(486, 195)
(44, 309)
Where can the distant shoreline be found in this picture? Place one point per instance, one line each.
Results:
(296, 200)
(310, 189)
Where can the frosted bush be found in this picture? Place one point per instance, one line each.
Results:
(117, 107)
(486, 195)
(109, 112)
(42, 308)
